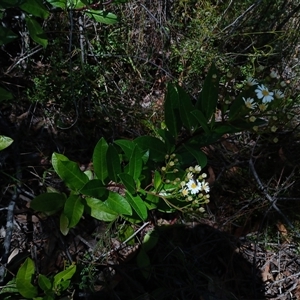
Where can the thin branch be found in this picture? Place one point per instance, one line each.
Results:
(271, 199)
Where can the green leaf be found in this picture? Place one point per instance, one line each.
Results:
(64, 224)
(128, 182)
(118, 204)
(94, 188)
(69, 172)
(185, 109)
(75, 4)
(150, 240)
(208, 99)
(6, 36)
(171, 109)
(157, 181)
(152, 201)
(5, 141)
(198, 155)
(100, 211)
(48, 202)
(157, 149)
(63, 276)
(113, 163)
(24, 278)
(138, 205)
(127, 147)
(168, 139)
(44, 283)
(135, 163)
(143, 262)
(102, 16)
(10, 287)
(36, 32)
(35, 8)
(58, 3)
(99, 160)
(4, 94)
(201, 119)
(73, 210)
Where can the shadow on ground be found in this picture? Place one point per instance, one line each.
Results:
(191, 262)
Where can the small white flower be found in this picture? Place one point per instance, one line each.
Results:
(282, 84)
(249, 102)
(189, 175)
(262, 106)
(251, 81)
(278, 94)
(194, 186)
(252, 119)
(263, 93)
(197, 169)
(205, 187)
(185, 192)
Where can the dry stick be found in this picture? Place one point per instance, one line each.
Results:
(236, 22)
(8, 235)
(272, 201)
(12, 203)
(123, 245)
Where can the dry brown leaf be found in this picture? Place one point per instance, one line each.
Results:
(283, 231)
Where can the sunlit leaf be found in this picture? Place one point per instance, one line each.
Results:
(69, 171)
(100, 211)
(24, 279)
(64, 276)
(64, 224)
(58, 3)
(73, 210)
(44, 283)
(5, 142)
(118, 204)
(127, 146)
(129, 182)
(102, 16)
(138, 205)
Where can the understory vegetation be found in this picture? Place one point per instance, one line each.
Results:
(149, 149)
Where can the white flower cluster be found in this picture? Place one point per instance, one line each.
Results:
(195, 189)
(263, 94)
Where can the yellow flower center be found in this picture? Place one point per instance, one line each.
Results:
(265, 92)
(193, 185)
